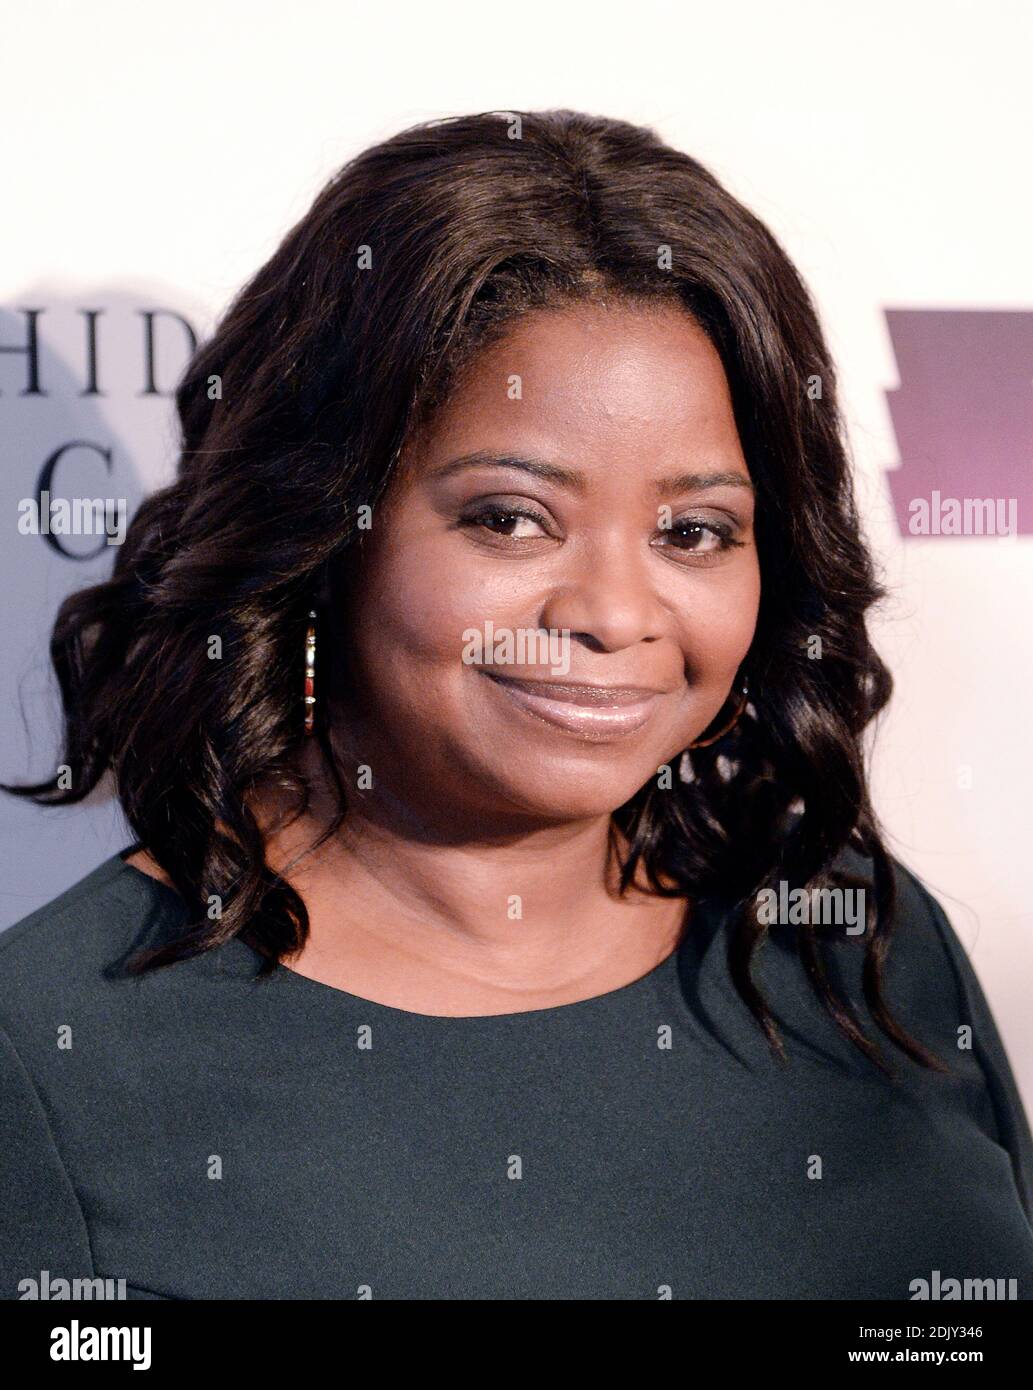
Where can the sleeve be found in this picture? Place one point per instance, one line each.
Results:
(1012, 1121)
(42, 1226)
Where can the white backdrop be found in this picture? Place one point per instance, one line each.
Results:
(154, 156)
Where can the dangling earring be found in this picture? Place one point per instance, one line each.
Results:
(310, 674)
(686, 771)
(744, 693)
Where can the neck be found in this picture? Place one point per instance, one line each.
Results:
(412, 910)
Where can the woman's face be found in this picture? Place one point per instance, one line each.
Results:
(584, 492)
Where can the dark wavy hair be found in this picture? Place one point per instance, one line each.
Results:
(417, 254)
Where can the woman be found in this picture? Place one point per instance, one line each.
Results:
(506, 915)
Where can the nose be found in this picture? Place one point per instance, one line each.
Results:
(606, 597)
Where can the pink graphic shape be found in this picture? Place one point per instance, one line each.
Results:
(963, 414)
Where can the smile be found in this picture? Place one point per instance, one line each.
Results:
(592, 712)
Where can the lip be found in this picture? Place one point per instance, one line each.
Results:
(593, 712)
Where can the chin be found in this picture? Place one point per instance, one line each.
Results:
(571, 795)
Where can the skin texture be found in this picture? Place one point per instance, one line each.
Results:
(477, 804)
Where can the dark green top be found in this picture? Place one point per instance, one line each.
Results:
(210, 1135)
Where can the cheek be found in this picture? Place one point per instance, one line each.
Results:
(412, 609)
(717, 622)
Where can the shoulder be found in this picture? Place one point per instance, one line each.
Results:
(931, 988)
(924, 955)
(72, 1027)
(927, 971)
(85, 1040)
(928, 983)
(70, 952)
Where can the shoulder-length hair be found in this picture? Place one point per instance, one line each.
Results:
(416, 254)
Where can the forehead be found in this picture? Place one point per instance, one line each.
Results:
(591, 379)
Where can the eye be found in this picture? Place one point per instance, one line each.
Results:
(698, 539)
(512, 523)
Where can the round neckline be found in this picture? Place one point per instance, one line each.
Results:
(619, 995)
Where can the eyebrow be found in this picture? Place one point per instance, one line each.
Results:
(577, 483)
